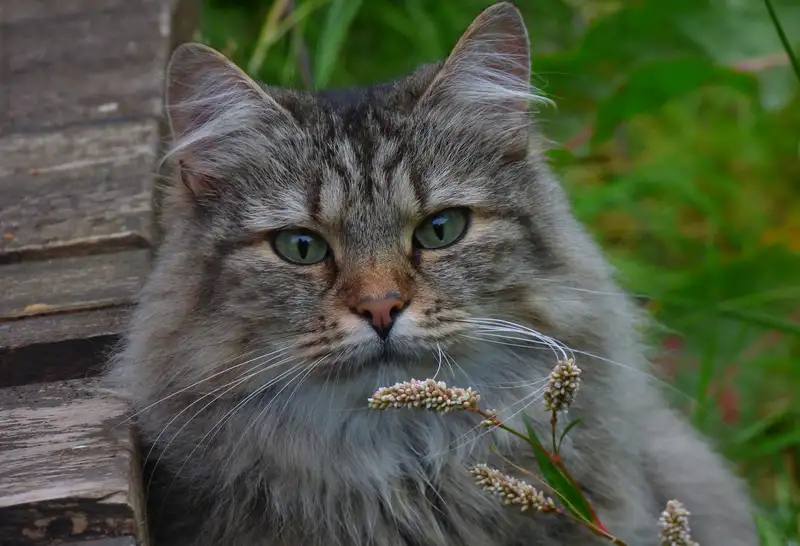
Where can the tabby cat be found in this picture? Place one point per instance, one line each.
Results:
(321, 245)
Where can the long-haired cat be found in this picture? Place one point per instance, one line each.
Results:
(321, 245)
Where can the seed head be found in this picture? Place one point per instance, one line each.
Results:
(491, 419)
(562, 385)
(427, 394)
(674, 527)
(511, 490)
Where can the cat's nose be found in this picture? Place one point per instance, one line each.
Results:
(381, 312)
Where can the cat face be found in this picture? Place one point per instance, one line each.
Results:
(365, 229)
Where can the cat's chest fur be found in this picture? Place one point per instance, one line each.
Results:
(400, 478)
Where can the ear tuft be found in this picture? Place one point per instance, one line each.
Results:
(218, 115)
(488, 72)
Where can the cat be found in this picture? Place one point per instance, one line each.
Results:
(321, 245)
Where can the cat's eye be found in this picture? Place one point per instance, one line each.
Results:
(300, 246)
(441, 229)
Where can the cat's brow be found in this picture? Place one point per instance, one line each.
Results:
(445, 189)
(287, 210)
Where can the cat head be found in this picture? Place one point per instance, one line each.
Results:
(357, 230)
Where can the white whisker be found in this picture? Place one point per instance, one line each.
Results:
(494, 325)
(232, 385)
(439, 365)
(223, 371)
(528, 337)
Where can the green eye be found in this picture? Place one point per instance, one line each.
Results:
(300, 246)
(441, 229)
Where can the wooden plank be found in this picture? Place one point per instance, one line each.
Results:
(80, 130)
(60, 286)
(59, 317)
(40, 330)
(35, 10)
(102, 62)
(68, 468)
(86, 182)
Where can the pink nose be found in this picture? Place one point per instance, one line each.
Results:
(381, 312)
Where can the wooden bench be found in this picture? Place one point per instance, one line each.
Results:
(80, 130)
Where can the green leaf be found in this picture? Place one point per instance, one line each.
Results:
(640, 31)
(275, 26)
(787, 45)
(341, 14)
(566, 489)
(656, 83)
(769, 533)
(567, 429)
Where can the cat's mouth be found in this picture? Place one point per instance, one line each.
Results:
(398, 353)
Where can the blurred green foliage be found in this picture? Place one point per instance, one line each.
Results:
(677, 128)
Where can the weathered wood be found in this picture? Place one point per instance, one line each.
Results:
(46, 302)
(119, 541)
(80, 130)
(68, 466)
(59, 286)
(37, 10)
(71, 186)
(81, 126)
(101, 62)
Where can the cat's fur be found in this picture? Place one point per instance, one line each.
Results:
(250, 375)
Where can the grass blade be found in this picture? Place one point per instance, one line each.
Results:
(784, 39)
(572, 497)
(341, 15)
(567, 429)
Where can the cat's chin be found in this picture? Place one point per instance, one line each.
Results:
(387, 358)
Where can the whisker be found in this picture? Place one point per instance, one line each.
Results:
(261, 389)
(230, 386)
(463, 371)
(177, 474)
(252, 372)
(524, 332)
(439, 365)
(218, 425)
(223, 371)
(500, 325)
(311, 368)
(638, 371)
(532, 397)
(529, 343)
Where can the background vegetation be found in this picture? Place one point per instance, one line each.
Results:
(676, 135)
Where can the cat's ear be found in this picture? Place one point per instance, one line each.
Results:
(218, 115)
(487, 75)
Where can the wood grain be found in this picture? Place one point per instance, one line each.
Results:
(77, 174)
(68, 468)
(59, 317)
(71, 284)
(81, 183)
(100, 60)
(80, 129)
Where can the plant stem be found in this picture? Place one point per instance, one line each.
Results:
(303, 59)
(784, 39)
(596, 530)
(553, 423)
(499, 424)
